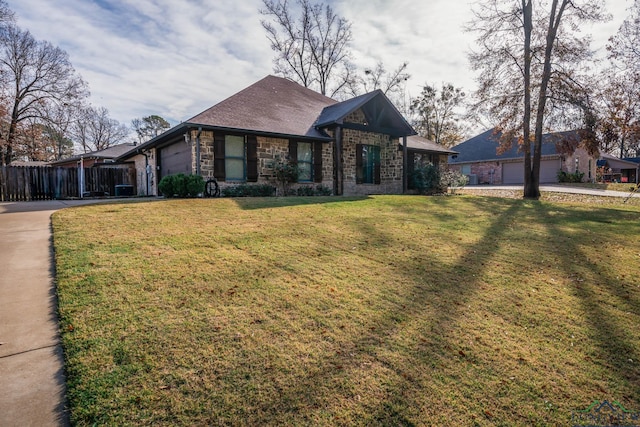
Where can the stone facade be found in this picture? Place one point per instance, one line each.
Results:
(269, 151)
(390, 160)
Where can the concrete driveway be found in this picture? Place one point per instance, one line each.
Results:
(32, 387)
(556, 188)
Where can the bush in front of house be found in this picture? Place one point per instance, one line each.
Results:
(453, 179)
(570, 177)
(181, 185)
(431, 179)
(323, 190)
(318, 190)
(426, 179)
(248, 190)
(285, 172)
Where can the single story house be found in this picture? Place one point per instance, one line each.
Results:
(613, 169)
(356, 147)
(480, 159)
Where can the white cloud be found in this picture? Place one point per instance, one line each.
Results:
(176, 59)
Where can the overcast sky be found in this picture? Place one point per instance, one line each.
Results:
(175, 58)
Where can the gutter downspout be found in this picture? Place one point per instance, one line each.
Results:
(146, 169)
(337, 186)
(81, 177)
(198, 150)
(405, 164)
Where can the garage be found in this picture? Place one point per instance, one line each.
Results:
(513, 173)
(175, 158)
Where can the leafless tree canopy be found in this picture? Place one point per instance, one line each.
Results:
(95, 130)
(312, 47)
(620, 89)
(531, 60)
(36, 78)
(624, 46)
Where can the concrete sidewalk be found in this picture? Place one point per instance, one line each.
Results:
(32, 386)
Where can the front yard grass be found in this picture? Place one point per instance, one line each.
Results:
(385, 310)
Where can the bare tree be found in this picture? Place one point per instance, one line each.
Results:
(624, 46)
(36, 75)
(620, 86)
(529, 57)
(95, 130)
(311, 48)
(391, 83)
(59, 126)
(437, 113)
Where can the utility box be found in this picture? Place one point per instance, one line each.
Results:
(123, 190)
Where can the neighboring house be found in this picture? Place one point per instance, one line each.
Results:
(94, 158)
(613, 169)
(355, 147)
(479, 159)
(28, 164)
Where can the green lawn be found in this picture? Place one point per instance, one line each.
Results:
(390, 310)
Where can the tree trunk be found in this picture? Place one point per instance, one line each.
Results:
(530, 188)
(532, 191)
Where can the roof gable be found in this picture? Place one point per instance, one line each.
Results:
(273, 105)
(381, 115)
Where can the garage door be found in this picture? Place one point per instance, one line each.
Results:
(513, 173)
(175, 158)
(549, 171)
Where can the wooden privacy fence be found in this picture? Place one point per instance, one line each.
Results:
(26, 183)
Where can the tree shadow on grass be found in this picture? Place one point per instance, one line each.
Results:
(252, 203)
(306, 399)
(599, 290)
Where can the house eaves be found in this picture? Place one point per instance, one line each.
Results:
(382, 116)
(181, 130)
(420, 144)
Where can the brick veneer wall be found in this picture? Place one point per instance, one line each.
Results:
(586, 164)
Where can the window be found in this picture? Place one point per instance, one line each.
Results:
(234, 158)
(305, 162)
(466, 169)
(367, 164)
(308, 158)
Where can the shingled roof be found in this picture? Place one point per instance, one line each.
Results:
(483, 147)
(275, 106)
(110, 153)
(272, 105)
(379, 111)
(418, 143)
